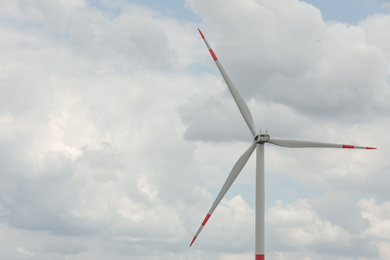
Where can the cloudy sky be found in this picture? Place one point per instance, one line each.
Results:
(117, 130)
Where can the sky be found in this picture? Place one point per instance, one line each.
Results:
(117, 130)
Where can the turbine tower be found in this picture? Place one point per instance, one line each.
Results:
(259, 139)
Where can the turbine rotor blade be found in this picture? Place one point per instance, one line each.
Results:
(291, 143)
(242, 106)
(232, 176)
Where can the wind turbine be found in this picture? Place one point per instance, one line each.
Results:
(258, 143)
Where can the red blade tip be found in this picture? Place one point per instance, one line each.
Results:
(201, 34)
(192, 241)
(353, 147)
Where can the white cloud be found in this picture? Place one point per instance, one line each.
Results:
(24, 252)
(378, 216)
(299, 226)
(77, 126)
(299, 229)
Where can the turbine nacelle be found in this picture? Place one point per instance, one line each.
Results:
(261, 138)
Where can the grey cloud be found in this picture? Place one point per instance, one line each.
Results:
(212, 119)
(374, 183)
(64, 246)
(340, 209)
(131, 41)
(41, 200)
(331, 72)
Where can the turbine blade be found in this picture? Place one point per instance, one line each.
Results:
(242, 106)
(306, 144)
(232, 176)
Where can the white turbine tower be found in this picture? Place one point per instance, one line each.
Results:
(258, 143)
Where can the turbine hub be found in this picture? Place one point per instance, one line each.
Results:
(261, 138)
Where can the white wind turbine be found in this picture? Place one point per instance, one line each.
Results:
(258, 143)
